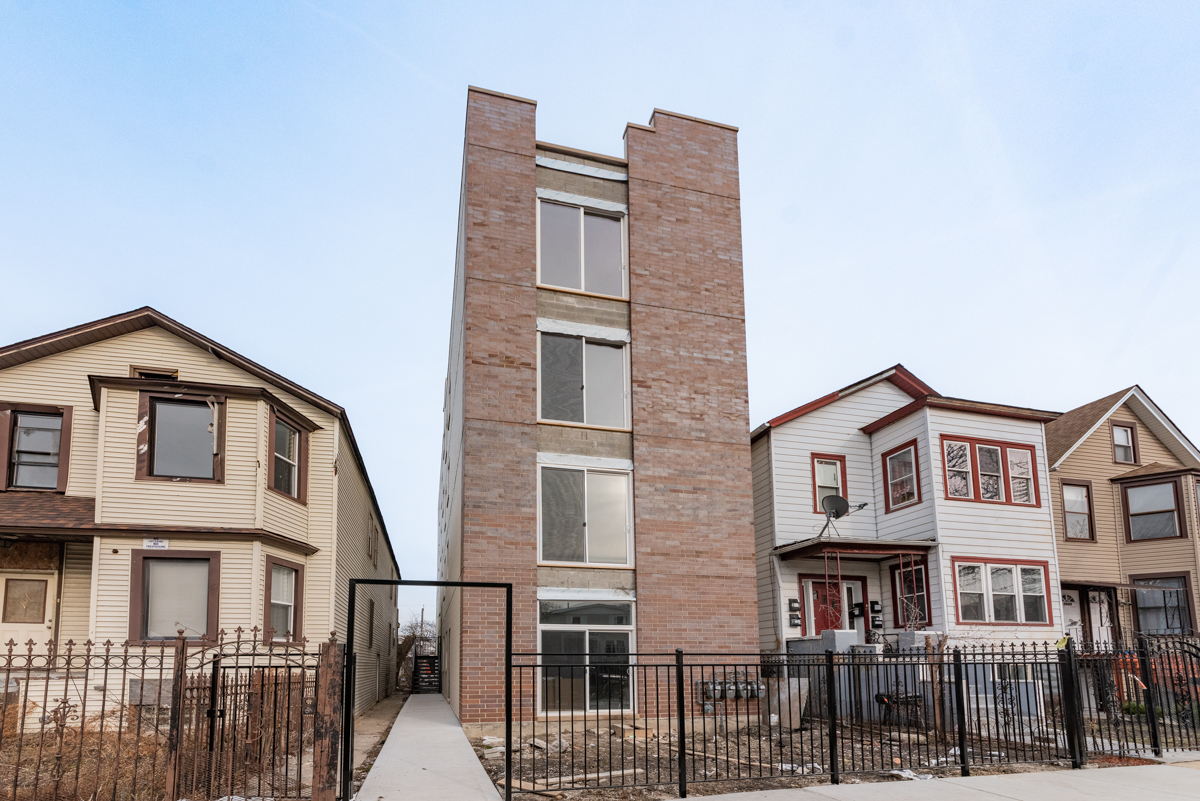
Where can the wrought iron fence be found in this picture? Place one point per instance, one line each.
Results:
(625, 720)
(171, 719)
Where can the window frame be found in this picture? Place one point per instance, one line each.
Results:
(145, 437)
(297, 603)
(1180, 510)
(628, 474)
(144, 373)
(888, 508)
(894, 572)
(1087, 485)
(627, 389)
(973, 444)
(1186, 575)
(1133, 431)
(137, 592)
(827, 457)
(302, 433)
(1016, 564)
(8, 423)
(584, 210)
(587, 628)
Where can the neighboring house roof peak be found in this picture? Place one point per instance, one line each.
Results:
(897, 374)
(960, 405)
(1066, 433)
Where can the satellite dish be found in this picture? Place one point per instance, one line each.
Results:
(835, 506)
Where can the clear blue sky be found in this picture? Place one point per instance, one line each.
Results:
(1004, 196)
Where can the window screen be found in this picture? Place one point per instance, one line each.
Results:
(562, 378)
(560, 245)
(176, 597)
(183, 439)
(604, 385)
(563, 515)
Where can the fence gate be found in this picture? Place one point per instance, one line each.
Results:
(244, 721)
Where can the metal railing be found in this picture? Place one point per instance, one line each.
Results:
(628, 720)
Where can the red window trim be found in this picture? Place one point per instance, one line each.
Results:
(973, 444)
(987, 562)
(887, 485)
(1137, 451)
(1180, 511)
(298, 604)
(64, 446)
(819, 578)
(301, 495)
(922, 562)
(1077, 482)
(828, 457)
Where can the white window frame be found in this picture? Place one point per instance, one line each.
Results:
(586, 629)
(282, 636)
(585, 469)
(921, 588)
(974, 472)
(585, 208)
(1001, 455)
(1132, 450)
(295, 437)
(837, 472)
(988, 598)
(916, 487)
(583, 366)
(1032, 479)
(970, 471)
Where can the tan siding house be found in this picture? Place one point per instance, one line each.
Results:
(153, 480)
(1123, 488)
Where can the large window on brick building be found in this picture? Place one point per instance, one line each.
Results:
(581, 249)
(585, 647)
(583, 380)
(584, 516)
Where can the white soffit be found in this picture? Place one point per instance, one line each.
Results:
(581, 200)
(580, 169)
(548, 326)
(584, 594)
(571, 460)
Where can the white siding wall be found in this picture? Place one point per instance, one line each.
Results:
(915, 522)
(999, 532)
(832, 429)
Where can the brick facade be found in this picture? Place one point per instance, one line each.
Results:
(693, 531)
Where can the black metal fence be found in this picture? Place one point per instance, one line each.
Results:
(171, 719)
(625, 720)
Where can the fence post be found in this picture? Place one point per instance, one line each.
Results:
(679, 711)
(960, 712)
(327, 727)
(1072, 703)
(831, 713)
(175, 729)
(1149, 695)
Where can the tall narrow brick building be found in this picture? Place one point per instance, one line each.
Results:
(596, 449)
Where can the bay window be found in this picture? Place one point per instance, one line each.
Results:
(584, 516)
(581, 249)
(1002, 593)
(991, 472)
(288, 449)
(180, 437)
(1152, 510)
(284, 593)
(583, 380)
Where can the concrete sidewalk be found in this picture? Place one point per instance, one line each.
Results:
(1166, 782)
(427, 756)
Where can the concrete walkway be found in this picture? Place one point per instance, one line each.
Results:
(1165, 782)
(427, 756)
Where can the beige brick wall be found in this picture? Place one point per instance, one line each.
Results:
(582, 309)
(584, 442)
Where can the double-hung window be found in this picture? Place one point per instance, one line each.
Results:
(993, 472)
(585, 516)
(37, 440)
(581, 249)
(1077, 510)
(1001, 593)
(284, 592)
(583, 380)
(288, 448)
(910, 587)
(1152, 510)
(901, 476)
(829, 478)
(585, 655)
(1124, 444)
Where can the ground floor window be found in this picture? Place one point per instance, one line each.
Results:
(1001, 593)
(585, 649)
(910, 599)
(1166, 610)
(174, 590)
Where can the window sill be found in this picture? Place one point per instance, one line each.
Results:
(995, 503)
(1000, 623)
(33, 489)
(902, 508)
(585, 566)
(1132, 541)
(180, 479)
(292, 498)
(583, 425)
(583, 293)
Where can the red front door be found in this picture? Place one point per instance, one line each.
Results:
(827, 606)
